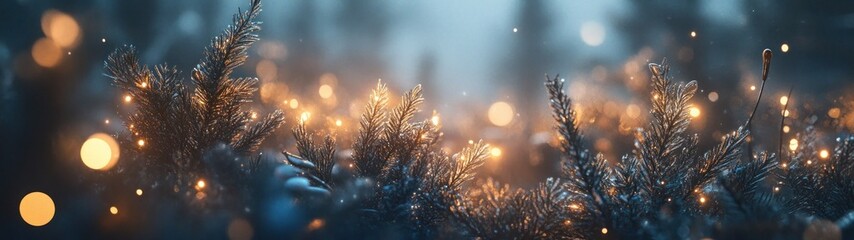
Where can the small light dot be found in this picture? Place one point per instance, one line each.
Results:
(435, 120)
(793, 144)
(496, 152)
(139, 192)
(784, 100)
(103, 40)
(127, 98)
(713, 96)
(515, 30)
(702, 199)
(107, 121)
(604, 230)
(114, 210)
(786, 129)
(141, 143)
(200, 184)
(338, 123)
(784, 47)
(693, 34)
(752, 87)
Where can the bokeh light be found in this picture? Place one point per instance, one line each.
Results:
(784, 47)
(37, 209)
(100, 152)
(793, 144)
(46, 53)
(592, 33)
(61, 28)
(784, 100)
(500, 114)
(325, 91)
(114, 210)
(694, 112)
(824, 154)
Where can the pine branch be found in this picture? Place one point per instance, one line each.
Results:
(367, 153)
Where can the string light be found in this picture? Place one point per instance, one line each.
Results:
(139, 192)
(325, 91)
(500, 114)
(604, 230)
(824, 154)
(435, 120)
(752, 87)
(200, 184)
(693, 34)
(304, 116)
(784, 100)
(702, 200)
(128, 98)
(114, 210)
(338, 122)
(784, 47)
(100, 152)
(141, 143)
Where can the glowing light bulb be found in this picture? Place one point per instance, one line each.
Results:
(141, 143)
(784, 100)
(254, 115)
(786, 129)
(435, 120)
(139, 192)
(128, 98)
(338, 123)
(824, 154)
(752, 87)
(201, 184)
(103, 40)
(37, 209)
(702, 200)
(604, 230)
(99, 152)
(784, 47)
(693, 34)
(793, 144)
(114, 210)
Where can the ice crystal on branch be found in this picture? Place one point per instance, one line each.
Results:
(174, 124)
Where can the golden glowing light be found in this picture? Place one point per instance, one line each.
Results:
(500, 114)
(793, 144)
(253, 115)
(495, 151)
(37, 209)
(786, 129)
(143, 85)
(784, 47)
(315, 224)
(824, 154)
(304, 116)
(785, 113)
(61, 27)
(266, 70)
(694, 112)
(114, 210)
(338, 122)
(752, 87)
(776, 189)
(46, 52)
(100, 152)
(325, 91)
(693, 34)
(435, 120)
(294, 104)
(201, 184)
(139, 192)
(834, 113)
(784, 100)
(574, 206)
(141, 143)
(604, 230)
(702, 199)
(128, 98)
